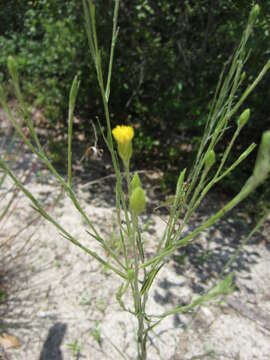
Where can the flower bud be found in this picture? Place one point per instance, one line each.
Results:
(244, 117)
(74, 92)
(210, 159)
(262, 165)
(135, 182)
(12, 68)
(254, 13)
(243, 76)
(130, 274)
(137, 201)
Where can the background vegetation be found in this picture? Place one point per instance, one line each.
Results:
(168, 60)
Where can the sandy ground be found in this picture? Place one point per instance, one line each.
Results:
(62, 303)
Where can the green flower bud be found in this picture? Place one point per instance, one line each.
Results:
(137, 201)
(244, 117)
(12, 68)
(210, 159)
(243, 76)
(125, 151)
(262, 165)
(130, 274)
(74, 92)
(254, 13)
(135, 182)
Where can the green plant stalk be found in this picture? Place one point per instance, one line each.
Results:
(114, 38)
(7, 207)
(118, 211)
(225, 287)
(139, 301)
(183, 309)
(240, 54)
(35, 221)
(192, 201)
(250, 185)
(39, 209)
(138, 238)
(140, 296)
(15, 193)
(217, 110)
(109, 250)
(72, 100)
(92, 9)
(24, 108)
(195, 201)
(236, 68)
(137, 297)
(215, 180)
(109, 142)
(15, 123)
(41, 155)
(226, 118)
(249, 90)
(236, 83)
(91, 31)
(88, 30)
(227, 151)
(170, 226)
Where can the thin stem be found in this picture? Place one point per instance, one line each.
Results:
(250, 185)
(114, 38)
(41, 155)
(215, 180)
(109, 250)
(72, 100)
(45, 214)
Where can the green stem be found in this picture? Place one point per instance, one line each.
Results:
(41, 155)
(45, 214)
(250, 186)
(72, 100)
(114, 38)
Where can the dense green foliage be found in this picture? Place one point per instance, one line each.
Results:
(168, 59)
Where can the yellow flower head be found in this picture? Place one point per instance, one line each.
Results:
(123, 134)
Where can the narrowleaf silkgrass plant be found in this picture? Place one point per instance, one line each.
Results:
(136, 270)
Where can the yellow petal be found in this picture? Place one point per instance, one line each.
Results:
(123, 134)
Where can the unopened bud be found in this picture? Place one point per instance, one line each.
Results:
(137, 201)
(254, 13)
(74, 92)
(244, 117)
(12, 68)
(210, 159)
(243, 76)
(130, 274)
(262, 165)
(135, 182)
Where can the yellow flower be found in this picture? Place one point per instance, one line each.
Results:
(123, 135)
